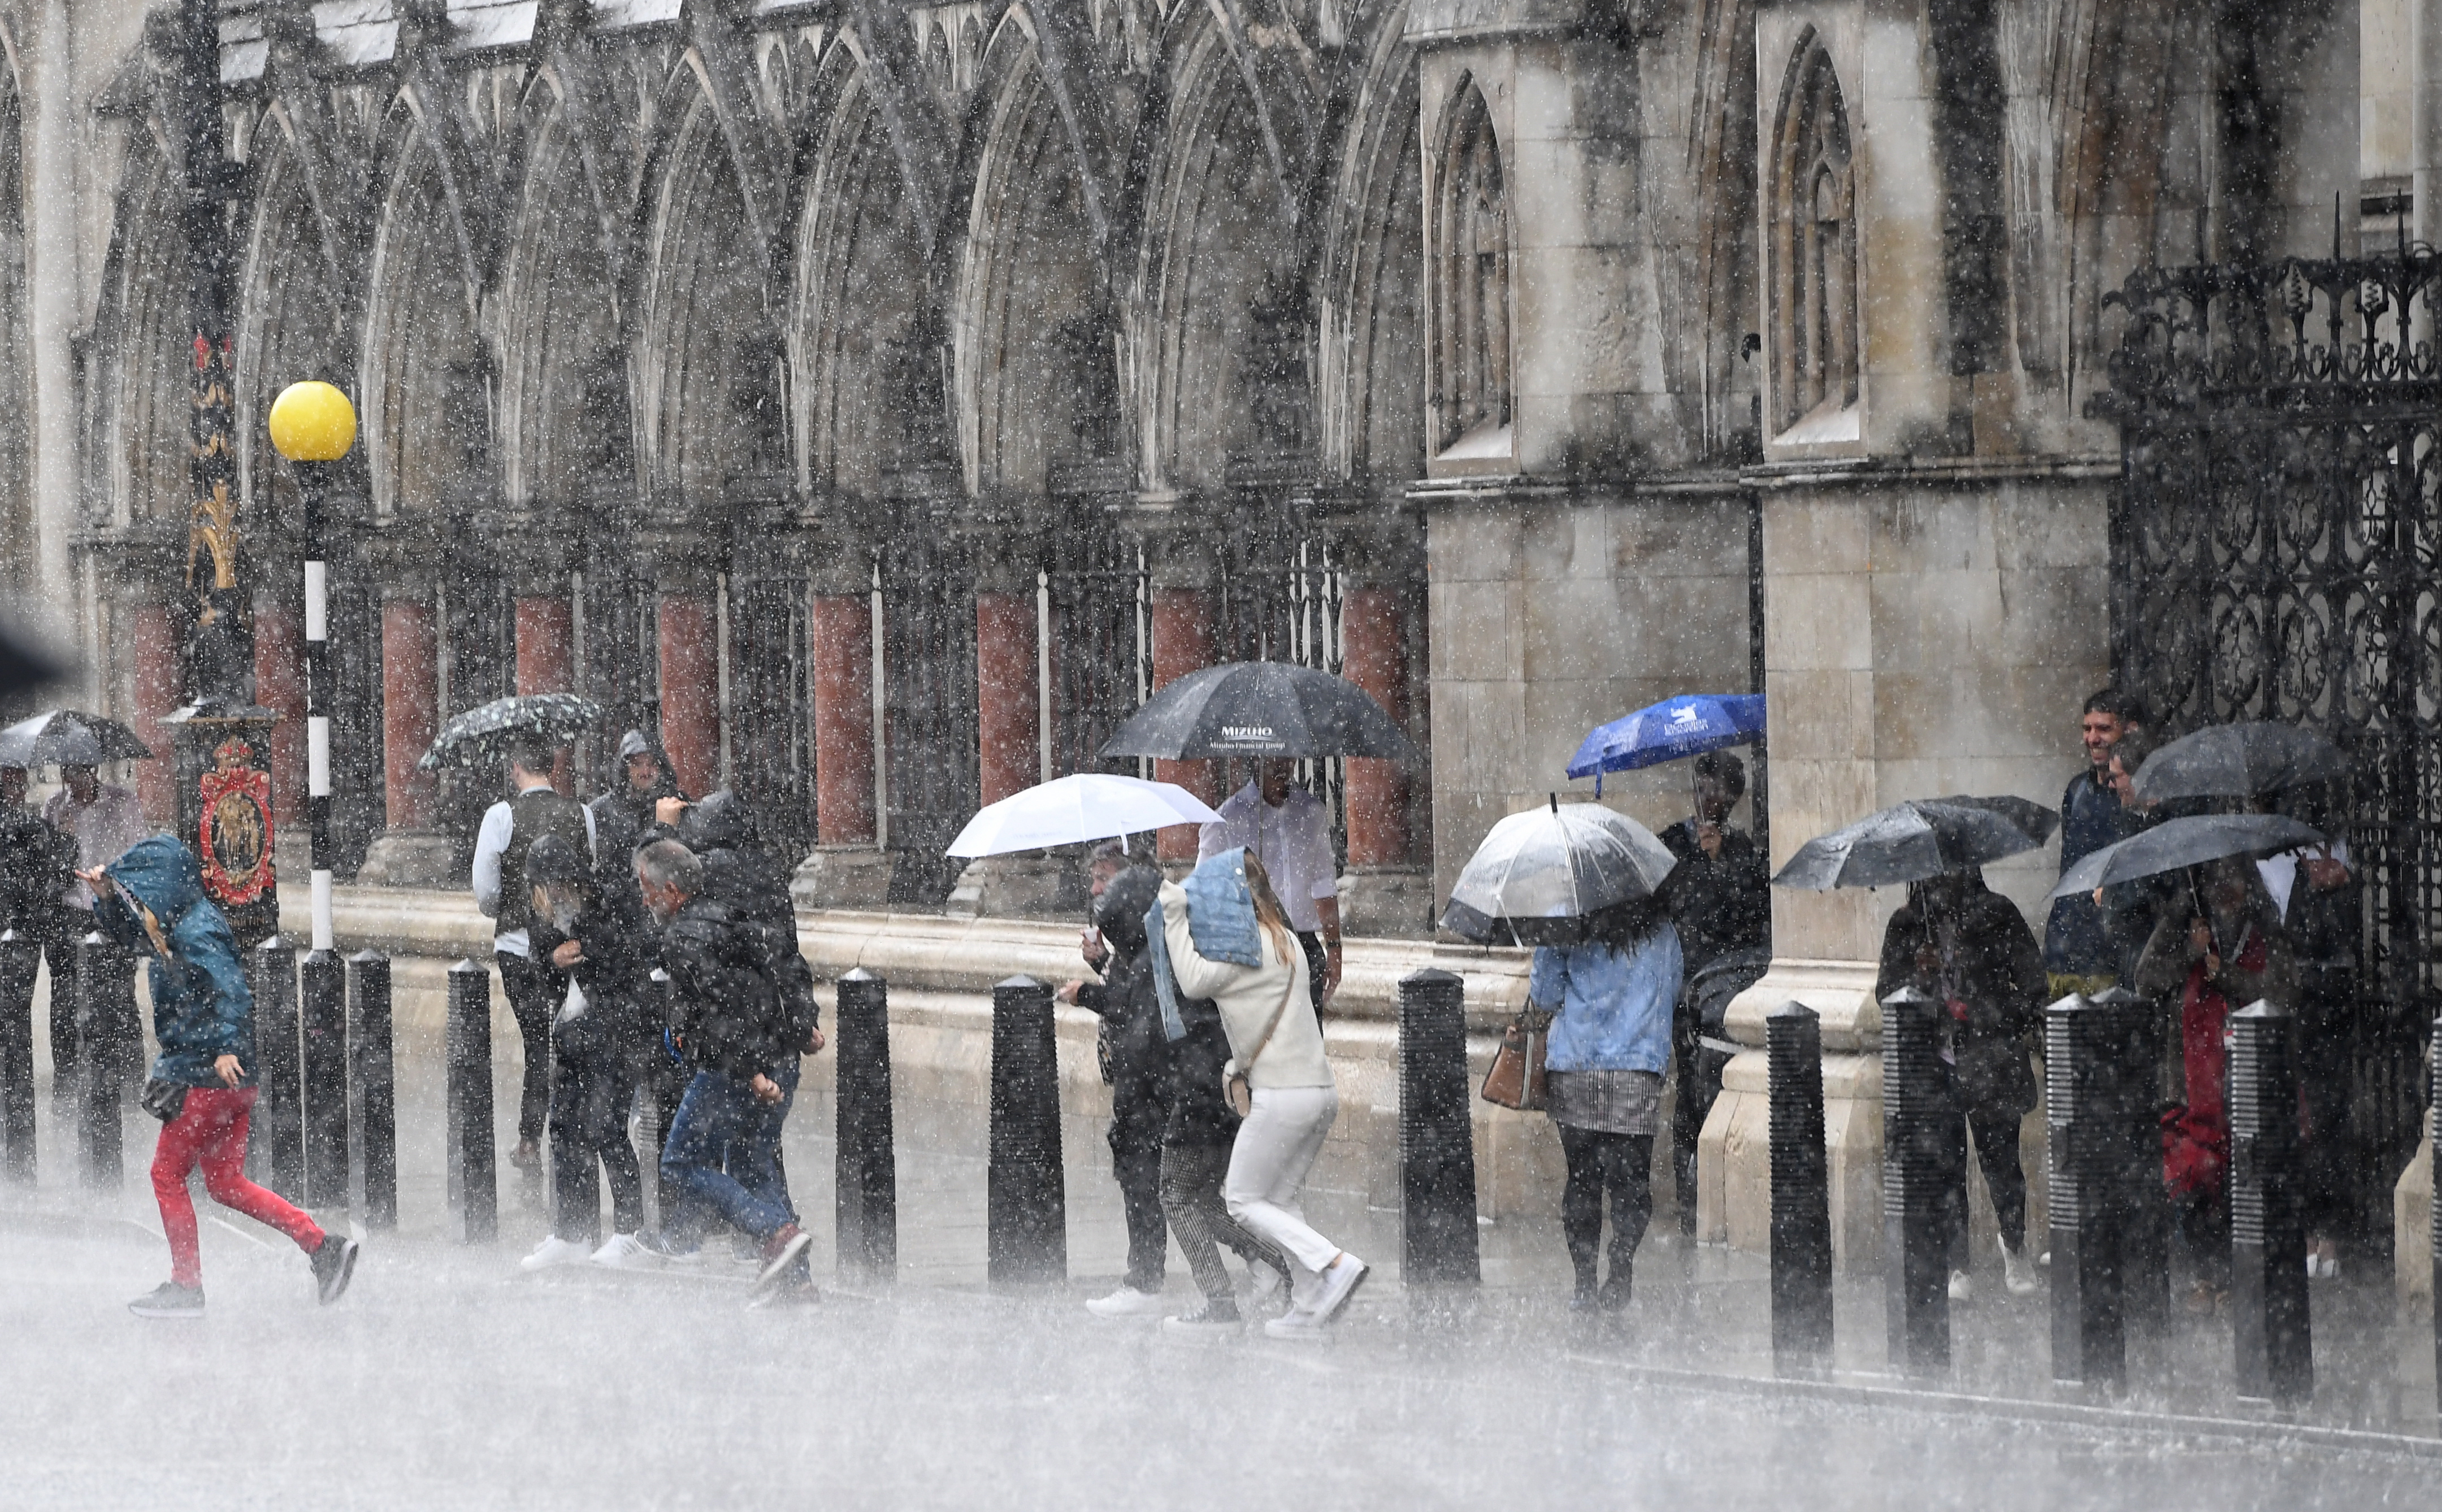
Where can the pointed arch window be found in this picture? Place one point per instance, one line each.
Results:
(1813, 239)
(1471, 386)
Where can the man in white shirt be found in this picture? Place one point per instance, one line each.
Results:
(534, 988)
(105, 818)
(1288, 830)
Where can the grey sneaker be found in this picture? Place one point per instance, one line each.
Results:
(334, 1266)
(170, 1299)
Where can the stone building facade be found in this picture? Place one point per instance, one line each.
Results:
(885, 396)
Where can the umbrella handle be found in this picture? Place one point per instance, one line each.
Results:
(2195, 900)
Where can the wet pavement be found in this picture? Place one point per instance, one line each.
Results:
(448, 1377)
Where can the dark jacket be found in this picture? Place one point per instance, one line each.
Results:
(621, 1005)
(35, 859)
(1200, 1116)
(1130, 1042)
(1993, 970)
(2075, 941)
(535, 813)
(726, 1007)
(202, 1008)
(1719, 904)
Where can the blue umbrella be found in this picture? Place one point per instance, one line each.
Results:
(1667, 731)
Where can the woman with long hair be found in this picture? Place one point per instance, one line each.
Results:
(1609, 997)
(1227, 939)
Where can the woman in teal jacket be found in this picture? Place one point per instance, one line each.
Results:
(152, 901)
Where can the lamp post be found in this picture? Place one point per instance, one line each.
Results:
(312, 426)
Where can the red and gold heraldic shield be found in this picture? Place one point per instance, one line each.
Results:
(235, 839)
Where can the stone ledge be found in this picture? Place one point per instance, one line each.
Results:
(1842, 991)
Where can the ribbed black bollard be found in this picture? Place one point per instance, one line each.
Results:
(2267, 1213)
(1436, 1144)
(474, 1175)
(372, 1092)
(2083, 1089)
(21, 961)
(1915, 1262)
(1801, 1192)
(668, 1083)
(277, 1142)
(101, 970)
(1024, 1198)
(322, 1020)
(2140, 1204)
(868, 1201)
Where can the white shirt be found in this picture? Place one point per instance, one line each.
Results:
(104, 829)
(2280, 873)
(499, 822)
(1293, 841)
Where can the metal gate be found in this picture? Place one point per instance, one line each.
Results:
(1101, 660)
(1280, 601)
(2273, 557)
(928, 668)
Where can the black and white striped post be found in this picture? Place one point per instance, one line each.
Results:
(312, 426)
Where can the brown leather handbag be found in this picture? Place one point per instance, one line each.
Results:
(1516, 1079)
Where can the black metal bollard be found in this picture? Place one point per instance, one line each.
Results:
(2267, 1219)
(2083, 1091)
(1801, 1192)
(372, 1094)
(1436, 1142)
(669, 1084)
(277, 1145)
(1026, 1202)
(2140, 1202)
(867, 1200)
(2434, 1132)
(103, 969)
(1916, 1260)
(21, 961)
(322, 1018)
(474, 1176)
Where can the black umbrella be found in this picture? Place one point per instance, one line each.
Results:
(485, 734)
(23, 667)
(2176, 844)
(2239, 761)
(1921, 838)
(68, 738)
(1259, 709)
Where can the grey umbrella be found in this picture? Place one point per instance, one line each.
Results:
(1260, 709)
(2174, 843)
(1539, 873)
(68, 738)
(1921, 838)
(2239, 761)
(485, 734)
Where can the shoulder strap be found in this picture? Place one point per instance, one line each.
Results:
(1277, 1014)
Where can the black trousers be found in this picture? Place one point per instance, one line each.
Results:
(592, 1085)
(1191, 1176)
(1697, 1081)
(1619, 1167)
(2325, 1083)
(1316, 959)
(1139, 1109)
(1995, 1131)
(534, 1002)
(60, 952)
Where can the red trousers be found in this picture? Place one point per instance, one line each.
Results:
(210, 1132)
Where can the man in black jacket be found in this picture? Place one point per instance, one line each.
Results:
(35, 861)
(600, 939)
(735, 1026)
(1135, 1063)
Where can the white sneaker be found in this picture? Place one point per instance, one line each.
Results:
(1300, 1324)
(1961, 1289)
(1128, 1303)
(625, 1251)
(554, 1250)
(2017, 1275)
(1338, 1284)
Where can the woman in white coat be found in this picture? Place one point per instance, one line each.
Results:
(1227, 940)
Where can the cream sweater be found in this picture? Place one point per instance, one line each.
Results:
(1246, 996)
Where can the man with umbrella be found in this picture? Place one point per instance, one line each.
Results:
(35, 864)
(1286, 828)
(2078, 956)
(102, 820)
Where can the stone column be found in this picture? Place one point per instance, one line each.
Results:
(410, 851)
(546, 633)
(1008, 734)
(1182, 625)
(846, 868)
(1385, 892)
(158, 693)
(691, 675)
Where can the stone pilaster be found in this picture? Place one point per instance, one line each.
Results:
(410, 851)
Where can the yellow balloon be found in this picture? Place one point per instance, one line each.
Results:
(313, 422)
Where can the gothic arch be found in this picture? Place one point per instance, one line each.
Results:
(19, 555)
(424, 408)
(564, 392)
(1369, 360)
(1815, 308)
(288, 327)
(144, 334)
(1470, 368)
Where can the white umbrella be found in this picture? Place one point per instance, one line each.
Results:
(1072, 809)
(1539, 873)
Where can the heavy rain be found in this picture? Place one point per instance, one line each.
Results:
(1211, 752)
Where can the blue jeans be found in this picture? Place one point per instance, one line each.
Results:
(724, 1150)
